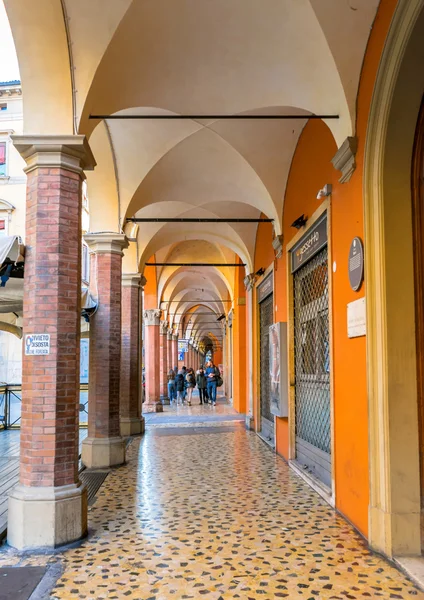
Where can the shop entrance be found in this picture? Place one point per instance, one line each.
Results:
(266, 318)
(312, 354)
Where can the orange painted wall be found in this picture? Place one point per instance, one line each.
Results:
(218, 357)
(239, 344)
(310, 170)
(151, 288)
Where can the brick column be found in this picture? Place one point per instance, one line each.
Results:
(170, 361)
(175, 350)
(104, 446)
(131, 419)
(152, 402)
(164, 363)
(48, 507)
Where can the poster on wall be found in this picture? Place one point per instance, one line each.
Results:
(278, 369)
(182, 346)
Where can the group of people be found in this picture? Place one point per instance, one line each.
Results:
(181, 384)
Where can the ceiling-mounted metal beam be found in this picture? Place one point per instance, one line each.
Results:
(166, 264)
(198, 117)
(195, 220)
(194, 300)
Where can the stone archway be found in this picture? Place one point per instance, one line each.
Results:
(394, 513)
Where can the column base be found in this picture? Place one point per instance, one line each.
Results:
(131, 426)
(153, 408)
(165, 400)
(103, 452)
(46, 517)
(250, 423)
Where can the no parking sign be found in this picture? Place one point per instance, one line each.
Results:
(37, 344)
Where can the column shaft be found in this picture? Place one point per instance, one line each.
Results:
(49, 506)
(170, 358)
(175, 350)
(164, 363)
(152, 402)
(131, 420)
(104, 446)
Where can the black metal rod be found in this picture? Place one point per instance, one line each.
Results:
(195, 220)
(159, 264)
(191, 314)
(196, 117)
(194, 300)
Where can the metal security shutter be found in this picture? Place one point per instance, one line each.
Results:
(312, 367)
(266, 318)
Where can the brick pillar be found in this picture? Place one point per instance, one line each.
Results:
(170, 361)
(175, 350)
(152, 402)
(131, 419)
(48, 507)
(104, 446)
(164, 363)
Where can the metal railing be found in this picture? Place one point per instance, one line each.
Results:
(11, 405)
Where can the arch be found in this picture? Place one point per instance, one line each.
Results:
(394, 515)
(42, 47)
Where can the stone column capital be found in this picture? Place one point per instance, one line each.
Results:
(152, 316)
(143, 281)
(249, 281)
(107, 242)
(277, 244)
(175, 337)
(164, 328)
(70, 152)
(170, 334)
(131, 280)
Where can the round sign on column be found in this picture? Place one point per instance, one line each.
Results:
(356, 264)
(37, 344)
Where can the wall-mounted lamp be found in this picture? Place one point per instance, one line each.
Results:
(300, 222)
(260, 272)
(325, 191)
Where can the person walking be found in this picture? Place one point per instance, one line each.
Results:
(180, 387)
(201, 382)
(190, 384)
(184, 371)
(212, 374)
(172, 391)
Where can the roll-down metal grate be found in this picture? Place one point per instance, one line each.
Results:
(312, 367)
(266, 319)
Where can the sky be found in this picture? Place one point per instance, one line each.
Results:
(9, 68)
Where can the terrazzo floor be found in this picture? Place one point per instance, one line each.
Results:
(215, 515)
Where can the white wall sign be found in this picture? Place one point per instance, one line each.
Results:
(37, 344)
(356, 318)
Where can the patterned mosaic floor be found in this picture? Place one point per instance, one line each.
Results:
(217, 516)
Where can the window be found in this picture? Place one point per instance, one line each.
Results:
(3, 230)
(2, 159)
(85, 263)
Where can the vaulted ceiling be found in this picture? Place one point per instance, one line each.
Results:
(190, 57)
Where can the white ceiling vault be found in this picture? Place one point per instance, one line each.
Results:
(190, 57)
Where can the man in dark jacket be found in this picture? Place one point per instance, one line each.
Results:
(212, 374)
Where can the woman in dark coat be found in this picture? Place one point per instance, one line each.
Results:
(201, 382)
